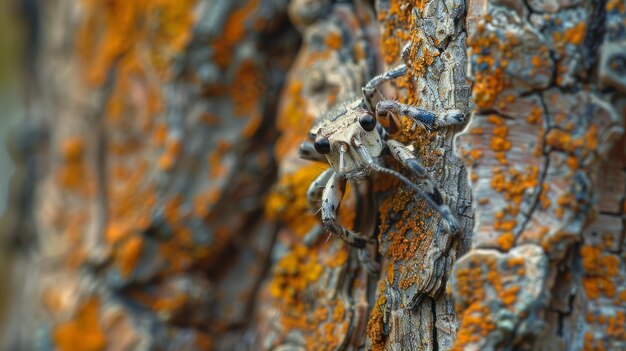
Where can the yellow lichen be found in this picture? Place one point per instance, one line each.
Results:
(375, 324)
(288, 200)
(83, 332)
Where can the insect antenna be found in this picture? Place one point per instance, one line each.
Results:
(415, 188)
(342, 151)
(378, 168)
(327, 238)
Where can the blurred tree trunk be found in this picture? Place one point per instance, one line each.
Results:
(160, 180)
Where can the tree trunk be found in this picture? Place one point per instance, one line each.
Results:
(160, 202)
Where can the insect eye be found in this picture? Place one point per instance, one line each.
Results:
(367, 122)
(322, 145)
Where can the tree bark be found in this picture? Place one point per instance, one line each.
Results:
(160, 202)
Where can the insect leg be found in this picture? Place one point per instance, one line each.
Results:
(426, 118)
(314, 193)
(406, 157)
(365, 223)
(331, 199)
(450, 222)
(370, 88)
(408, 160)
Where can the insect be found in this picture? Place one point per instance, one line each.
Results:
(351, 140)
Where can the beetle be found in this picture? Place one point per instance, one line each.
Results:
(352, 141)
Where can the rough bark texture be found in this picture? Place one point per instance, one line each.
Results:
(161, 203)
(546, 267)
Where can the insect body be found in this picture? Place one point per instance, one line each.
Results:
(351, 139)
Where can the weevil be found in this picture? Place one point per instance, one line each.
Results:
(351, 139)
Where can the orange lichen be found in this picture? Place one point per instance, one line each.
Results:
(53, 299)
(407, 223)
(410, 235)
(597, 286)
(232, 33)
(171, 210)
(170, 154)
(394, 20)
(292, 120)
(252, 126)
(169, 304)
(247, 88)
(476, 281)
(180, 257)
(475, 319)
(210, 119)
(476, 131)
(334, 41)
(536, 60)
(204, 342)
(537, 234)
(599, 268)
(359, 52)
(597, 263)
(474, 325)
(288, 200)
(483, 201)
(491, 55)
(84, 332)
(73, 173)
(506, 241)
(159, 135)
(505, 225)
(616, 5)
(203, 202)
(133, 42)
(375, 324)
(534, 116)
(290, 285)
(617, 326)
(216, 156)
(495, 119)
(573, 36)
(128, 254)
(509, 296)
(487, 87)
(499, 143)
(562, 141)
(339, 312)
(563, 39)
(122, 30)
(396, 23)
(514, 262)
(130, 209)
(339, 258)
(475, 154)
(293, 273)
(514, 185)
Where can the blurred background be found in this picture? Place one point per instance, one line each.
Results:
(11, 110)
(11, 74)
